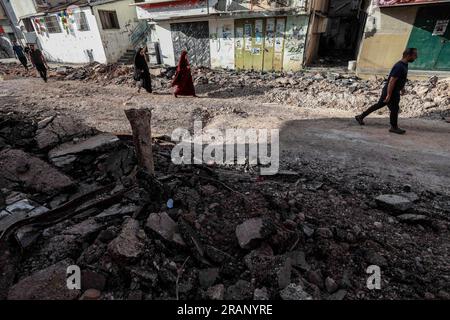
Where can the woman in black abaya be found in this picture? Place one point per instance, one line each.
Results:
(141, 72)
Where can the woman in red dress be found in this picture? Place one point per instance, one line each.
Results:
(183, 78)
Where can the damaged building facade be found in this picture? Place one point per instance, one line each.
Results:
(239, 34)
(80, 31)
(394, 25)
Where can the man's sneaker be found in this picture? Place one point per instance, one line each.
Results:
(397, 130)
(359, 118)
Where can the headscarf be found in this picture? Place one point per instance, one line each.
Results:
(183, 62)
(139, 60)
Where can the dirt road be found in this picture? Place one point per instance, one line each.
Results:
(329, 136)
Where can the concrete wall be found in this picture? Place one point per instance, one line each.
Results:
(23, 7)
(385, 37)
(295, 41)
(116, 42)
(221, 34)
(74, 47)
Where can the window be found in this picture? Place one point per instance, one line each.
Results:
(82, 24)
(28, 25)
(52, 24)
(109, 19)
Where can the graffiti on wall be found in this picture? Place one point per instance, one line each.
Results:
(391, 3)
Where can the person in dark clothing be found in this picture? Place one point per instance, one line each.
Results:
(394, 88)
(19, 52)
(183, 78)
(141, 72)
(38, 61)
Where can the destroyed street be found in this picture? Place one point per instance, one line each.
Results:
(346, 197)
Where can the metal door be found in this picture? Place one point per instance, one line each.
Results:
(193, 37)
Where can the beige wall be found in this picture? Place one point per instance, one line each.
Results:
(386, 36)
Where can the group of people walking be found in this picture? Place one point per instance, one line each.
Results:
(30, 52)
(183, 83)
(184, 86)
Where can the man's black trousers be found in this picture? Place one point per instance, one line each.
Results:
(393, 106)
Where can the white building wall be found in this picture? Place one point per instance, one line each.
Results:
(74, 47)
(23, 7)
(164, 37)
(221, 34)
(117, 41)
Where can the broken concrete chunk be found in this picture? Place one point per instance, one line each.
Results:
(394, 202)
(331, 285)
(294, 292)
(96, 143)
(339, 295)
(250, 232)
(163, 225)
(86, 229)
(40, 176)
(52, 132)
(129, 245)
(22, 206)
(46, 284)
(4, 214)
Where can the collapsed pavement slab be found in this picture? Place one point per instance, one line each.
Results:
(56, 130)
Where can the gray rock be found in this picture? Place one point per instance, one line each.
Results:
(331, 285)
(216, 292)
(207, 277)
(394, 202)
(27, 235)
(294, 292)
(315, 277)
(413, 218)
(129, 245)
(47, 284)
(163, 225)
(251, 231)
(308, 231)
(22, 206)
(4, 214)
(261, 294)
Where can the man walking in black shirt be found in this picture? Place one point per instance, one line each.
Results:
(38, 60)
(395, 86)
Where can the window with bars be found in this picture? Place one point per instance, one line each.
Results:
(81, 21)
(109, 19)
(52, 24)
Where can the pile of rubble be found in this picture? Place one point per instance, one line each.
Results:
(71, 195)
(430, 98)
